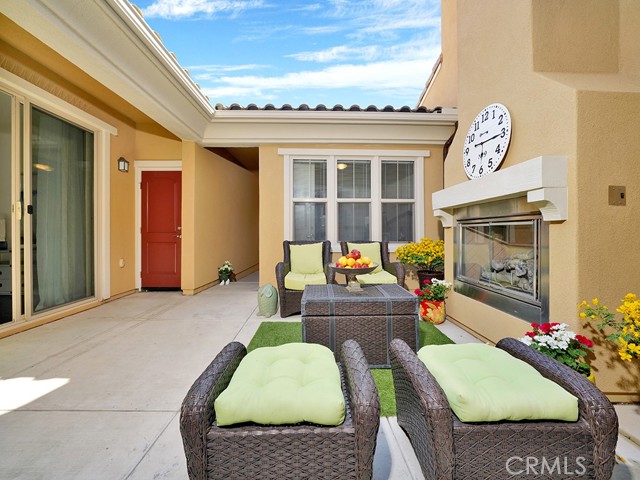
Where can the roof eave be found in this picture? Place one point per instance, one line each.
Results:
(243, 128)
(110, 41)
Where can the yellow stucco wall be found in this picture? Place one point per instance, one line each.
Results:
(219, 217)
(272, 196)
(559, 106)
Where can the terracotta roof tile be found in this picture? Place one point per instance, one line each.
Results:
(323, 108)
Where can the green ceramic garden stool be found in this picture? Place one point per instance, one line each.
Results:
(267, 300)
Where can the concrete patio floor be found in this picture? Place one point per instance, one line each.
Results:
(97, 395)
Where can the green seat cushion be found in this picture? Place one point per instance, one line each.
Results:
(377, 278)
(486, 384)
(297, 281)
(371, 250)
(307, 258)
(287, 384)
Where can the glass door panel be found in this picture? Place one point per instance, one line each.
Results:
(61, 211)
(6, 274)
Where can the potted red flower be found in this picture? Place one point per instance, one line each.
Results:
(432, 295)
(555, 340)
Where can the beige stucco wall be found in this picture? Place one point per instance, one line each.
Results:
(444, 92)
(219, 217)
(559, 106)
(272, 190)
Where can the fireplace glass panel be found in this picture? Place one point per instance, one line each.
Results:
(501, 256)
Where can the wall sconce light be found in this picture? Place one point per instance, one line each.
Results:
(342, 166)
(123, 165)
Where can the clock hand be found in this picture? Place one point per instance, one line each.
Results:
(487, 140)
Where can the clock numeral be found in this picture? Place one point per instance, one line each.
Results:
(476, 126)
(503, 133)
(500, 119)
(493, 114)
(471, 138)
(498, 150)
(480, 171)
(485, 117)
(473, 169)
(466, 151)
(468, 163)
(490, 164)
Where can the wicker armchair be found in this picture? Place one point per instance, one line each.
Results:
(450, 449)
(279, 452)
(394, 268)
(290, 300)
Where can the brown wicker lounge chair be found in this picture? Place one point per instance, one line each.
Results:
(281, 452)
(290, 300)
(394, 268)
(450, 449)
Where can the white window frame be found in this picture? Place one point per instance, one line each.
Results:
(332, 156)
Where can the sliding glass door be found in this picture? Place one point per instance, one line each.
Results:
(62, 219)
(47, 210)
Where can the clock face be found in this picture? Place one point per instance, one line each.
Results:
(487, 141)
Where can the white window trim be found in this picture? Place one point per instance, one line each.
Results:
(102, 131)
(147, 166)
(376, 156)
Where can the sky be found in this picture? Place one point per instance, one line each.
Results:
(347, 52)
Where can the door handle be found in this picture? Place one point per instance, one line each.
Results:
(178, 236)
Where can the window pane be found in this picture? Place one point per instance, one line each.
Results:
(354, 221)
(309, 221)
(309, 179)
(397, 180)
(397, 222)
(354, 178)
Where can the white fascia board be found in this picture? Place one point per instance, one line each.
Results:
(258, 127)
(542, 179)
(110, 42)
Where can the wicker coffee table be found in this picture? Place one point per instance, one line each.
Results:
(331, 315)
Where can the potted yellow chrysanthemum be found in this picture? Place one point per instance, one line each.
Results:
(626, 332)
(427, 256)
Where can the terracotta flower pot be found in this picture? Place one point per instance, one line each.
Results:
(432, 311)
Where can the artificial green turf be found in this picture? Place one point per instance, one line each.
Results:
(271, 334)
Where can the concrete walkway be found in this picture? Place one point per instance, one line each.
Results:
(97, 395)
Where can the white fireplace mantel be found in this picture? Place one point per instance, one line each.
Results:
(542, 179)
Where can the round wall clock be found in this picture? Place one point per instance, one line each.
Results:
(487, 141)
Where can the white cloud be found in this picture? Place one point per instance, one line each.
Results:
(390, 78)
(338, 53)
(178, 9)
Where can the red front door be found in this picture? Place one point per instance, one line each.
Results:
(161, 229)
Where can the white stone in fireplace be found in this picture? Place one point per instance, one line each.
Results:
(542, 179)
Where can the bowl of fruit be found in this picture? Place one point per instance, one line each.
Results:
(351, 265)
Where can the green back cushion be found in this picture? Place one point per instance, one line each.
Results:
(371, 250)
(291, 383)
(306, 259)
(486, 384)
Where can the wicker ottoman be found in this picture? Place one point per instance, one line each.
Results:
(331, 315)
(279, 452)
(449, 449)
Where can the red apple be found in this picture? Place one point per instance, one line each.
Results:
(355, 253)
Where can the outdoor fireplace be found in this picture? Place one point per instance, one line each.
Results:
(502, 257)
